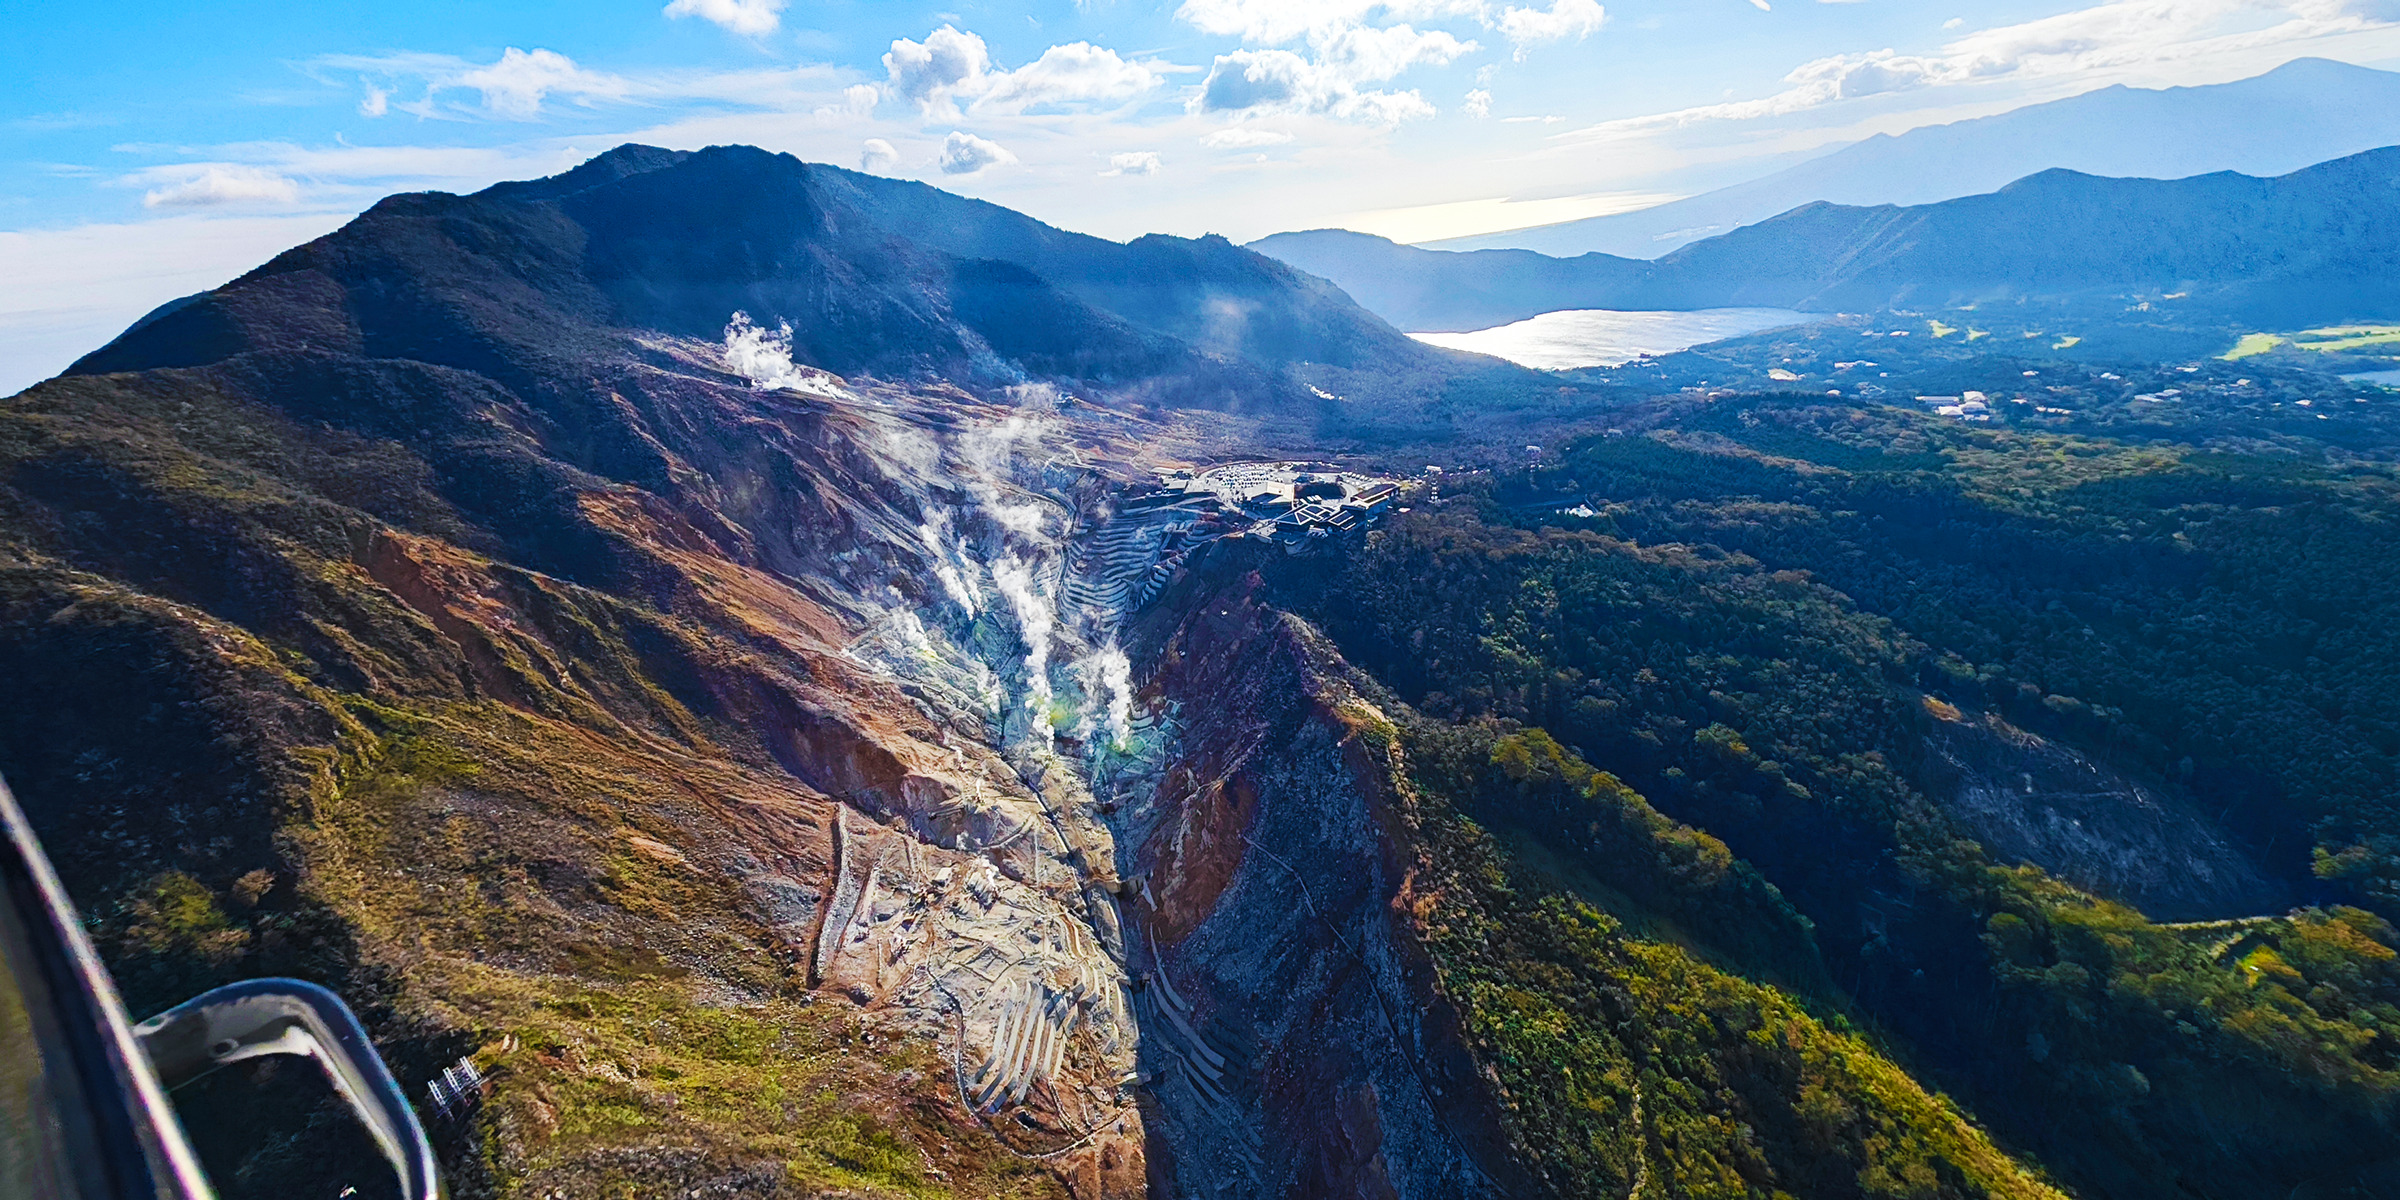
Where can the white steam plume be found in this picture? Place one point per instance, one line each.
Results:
(1107, 671)
(764, 357)
(957, 577)
(1015, 579)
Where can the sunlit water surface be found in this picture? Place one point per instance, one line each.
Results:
(1602, 337)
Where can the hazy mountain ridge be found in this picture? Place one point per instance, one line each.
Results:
(2320, 244)
(1446, 291)
(875, 275)
(2306, 111)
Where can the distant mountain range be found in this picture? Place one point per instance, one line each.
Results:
(2315, 245)
(876, 276)
(2306, 111)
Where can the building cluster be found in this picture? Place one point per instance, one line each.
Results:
(1281, 500)
(1143, 538)
(1969, 406)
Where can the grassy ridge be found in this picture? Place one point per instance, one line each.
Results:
(1628, 1065)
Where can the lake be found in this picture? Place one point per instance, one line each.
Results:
(2390, 379)
(1601, 337)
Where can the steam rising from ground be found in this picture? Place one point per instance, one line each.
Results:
(764, 357)
(998, 626)
(951, 563)
(1015, 579)
(1108, 671)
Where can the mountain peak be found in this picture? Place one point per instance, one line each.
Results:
(880, 276)
(609, 166)
(2313, 245)
(2305, 111)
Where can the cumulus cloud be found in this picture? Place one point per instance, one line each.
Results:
(750, 18)
(1133, 162)
(966, 154)
(1252, 81)
(1366, 55)
(1564, 19)
(217, 184)
(927, 73)
(515, 86)
(876, 156)
(1479, 103)
(1345, 55)
(1072, 72)
(952, 65)
(857, 100)
(1334, 82)
(2112, 37)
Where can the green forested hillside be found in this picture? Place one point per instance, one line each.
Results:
(1775, 614)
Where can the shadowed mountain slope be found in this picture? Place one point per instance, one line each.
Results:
(2306, 111)
(1449, 291)
(2316, 245)
(875, 276)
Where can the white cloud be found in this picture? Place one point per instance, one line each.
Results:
(1276, 22)
(927, 73)
(2089, 43)
(966, 154)
(876, 156)
(858, 100)
(523, 85)
(378, 101)
(1345, 54)
(339, 178)
(1133, 162)
(750, 18)
(514, 87)
(1479, 103)
(213, 185)
(1251, 81)
(951, 65)
(1269, 22)
(1331, 84)
(1363, 55)
(71, 290)
(1564, 19)
(1072, 72)
(1244, 137)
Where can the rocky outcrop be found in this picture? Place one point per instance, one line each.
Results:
(1294, 1046)
(2031, 800)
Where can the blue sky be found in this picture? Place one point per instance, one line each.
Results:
(149, 150)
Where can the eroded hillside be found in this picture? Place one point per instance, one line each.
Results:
(984, 773)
